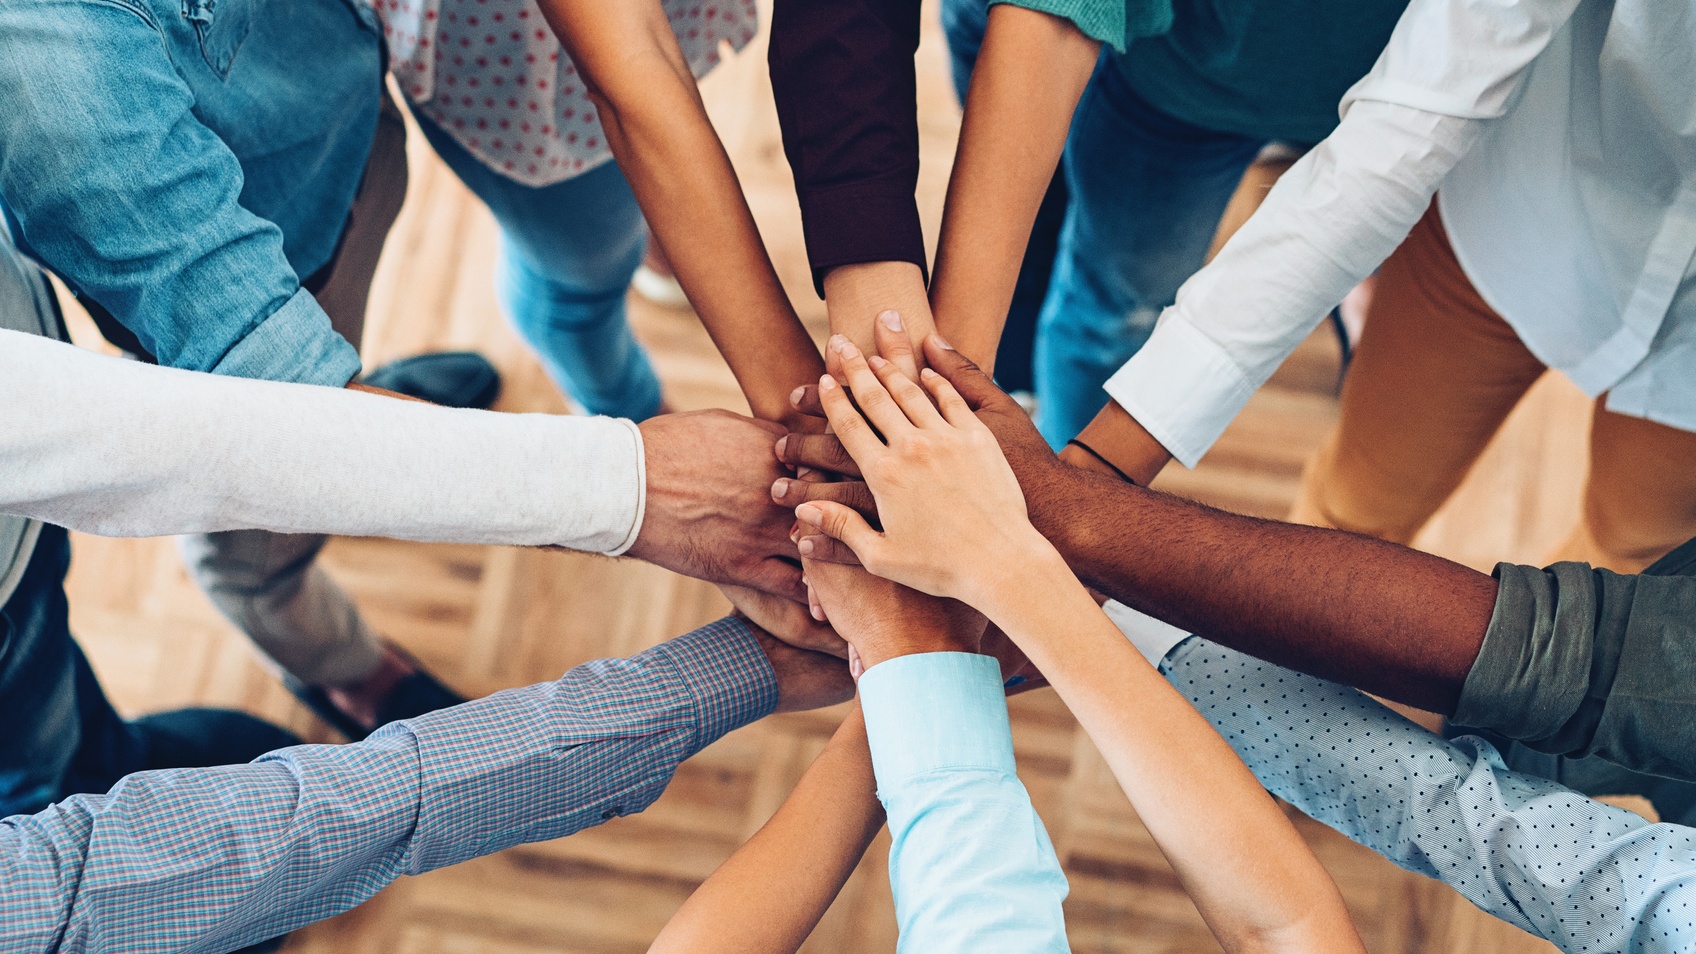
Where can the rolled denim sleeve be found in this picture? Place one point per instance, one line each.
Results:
(195, 860)
(1579, 661)
(118, 187)
(970, 863)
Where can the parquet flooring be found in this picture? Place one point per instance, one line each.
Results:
(487, 618)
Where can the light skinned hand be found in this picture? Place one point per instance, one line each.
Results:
(953, 516)
(882, 619)
(786, 619)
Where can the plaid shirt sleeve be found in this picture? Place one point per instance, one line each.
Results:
(215, 859)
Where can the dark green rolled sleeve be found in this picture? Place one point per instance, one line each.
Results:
(1579, 661)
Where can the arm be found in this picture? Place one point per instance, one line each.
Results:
(658, 129)
(233, 855)
(120, 189)
(771, 893)
(1451, 66)
(1030, 72)
(954, 525)
(1396, 622)
(100, 445)
(1589, 877)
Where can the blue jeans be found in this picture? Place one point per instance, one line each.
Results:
(1145, 195)
(567, 254)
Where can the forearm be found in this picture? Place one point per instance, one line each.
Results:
(657, 127)
(1114, 443)
(233, 855)
(1252, 877)
(1396, 622)
(1029, 74)
(770, 894)
(1448, 809)
(856, 294)
(124, 449)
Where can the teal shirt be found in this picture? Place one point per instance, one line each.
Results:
(1273, 69)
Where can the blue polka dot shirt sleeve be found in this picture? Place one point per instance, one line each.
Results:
(211, 860)
(1586, 876)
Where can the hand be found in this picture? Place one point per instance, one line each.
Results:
(954, 521)
(709, 509)
(805, 679)
(787, 620)
(882, 619)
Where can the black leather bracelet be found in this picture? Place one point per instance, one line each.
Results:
(1080, 445)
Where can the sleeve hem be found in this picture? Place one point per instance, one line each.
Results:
(860, 222)
(1182, 388)
(726, 674)
(295, 344)
(932, 712)
(641, 481)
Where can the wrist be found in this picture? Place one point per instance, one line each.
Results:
(1027, 567)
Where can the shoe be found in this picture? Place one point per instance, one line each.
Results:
(413, 696)
(659, 288)
(198, 738)
(448, 378)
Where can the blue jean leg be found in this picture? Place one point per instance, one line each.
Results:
(568, 252)
(1147, 193)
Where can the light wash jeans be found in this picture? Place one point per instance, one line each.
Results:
(1146, 192)
(568, 252)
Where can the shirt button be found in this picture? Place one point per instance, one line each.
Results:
(612, 813)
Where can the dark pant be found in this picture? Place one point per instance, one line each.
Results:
(62, 736)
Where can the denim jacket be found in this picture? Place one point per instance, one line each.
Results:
(186, 162)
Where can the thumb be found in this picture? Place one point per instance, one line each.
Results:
(976, 387)
(842, 523)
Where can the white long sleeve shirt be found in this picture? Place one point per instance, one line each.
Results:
(1563, 135)
(114, 447)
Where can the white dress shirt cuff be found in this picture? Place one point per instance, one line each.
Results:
(1154, 639)
(1182, 387)
(936, 711)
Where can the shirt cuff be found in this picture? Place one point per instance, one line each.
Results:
(1100, 20)
(727, 673)
(295, 344)
(1182, 387)
(860, 222)
(640, 480)
(1150, 636)
(933, 711)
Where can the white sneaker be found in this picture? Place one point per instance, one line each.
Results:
(660, 289)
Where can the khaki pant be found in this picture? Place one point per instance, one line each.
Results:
(1434, 376)
(269, 584)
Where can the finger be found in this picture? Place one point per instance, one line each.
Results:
(869, 393)
(806, 400)
(912, 399)
(814, 606)
(895, 344)
(779, 578)
(856, 668)
(845, 420)
(820, 451)
(953, 407)
(793, 493)
(819, 547)
(841, 523)
(967, 378)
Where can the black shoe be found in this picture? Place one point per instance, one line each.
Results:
(413, 696)
(198, 738)
(448, 378)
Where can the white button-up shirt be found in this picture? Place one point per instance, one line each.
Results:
(1563, 135)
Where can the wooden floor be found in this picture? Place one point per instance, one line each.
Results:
(487, 618)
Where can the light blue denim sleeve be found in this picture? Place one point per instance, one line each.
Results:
(1586, 876)
(970, 863)
(118, 187)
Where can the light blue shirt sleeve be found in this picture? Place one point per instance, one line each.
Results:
(1586, 876)
(207, 860)
(970, 863)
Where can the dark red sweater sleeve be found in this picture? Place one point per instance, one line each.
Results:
(843, 77)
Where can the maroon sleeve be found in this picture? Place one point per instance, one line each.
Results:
(842, 74)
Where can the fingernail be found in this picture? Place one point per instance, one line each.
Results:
(779, 488)
(848, 349)
(891, 319)
(876, 362)
(782, 443)
(928, 373)
(805, 545)
(942, 343)
(807, 514)
(838, 342)
(1014, 682)
(818, 613)
(827, 383)
(796, 395)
